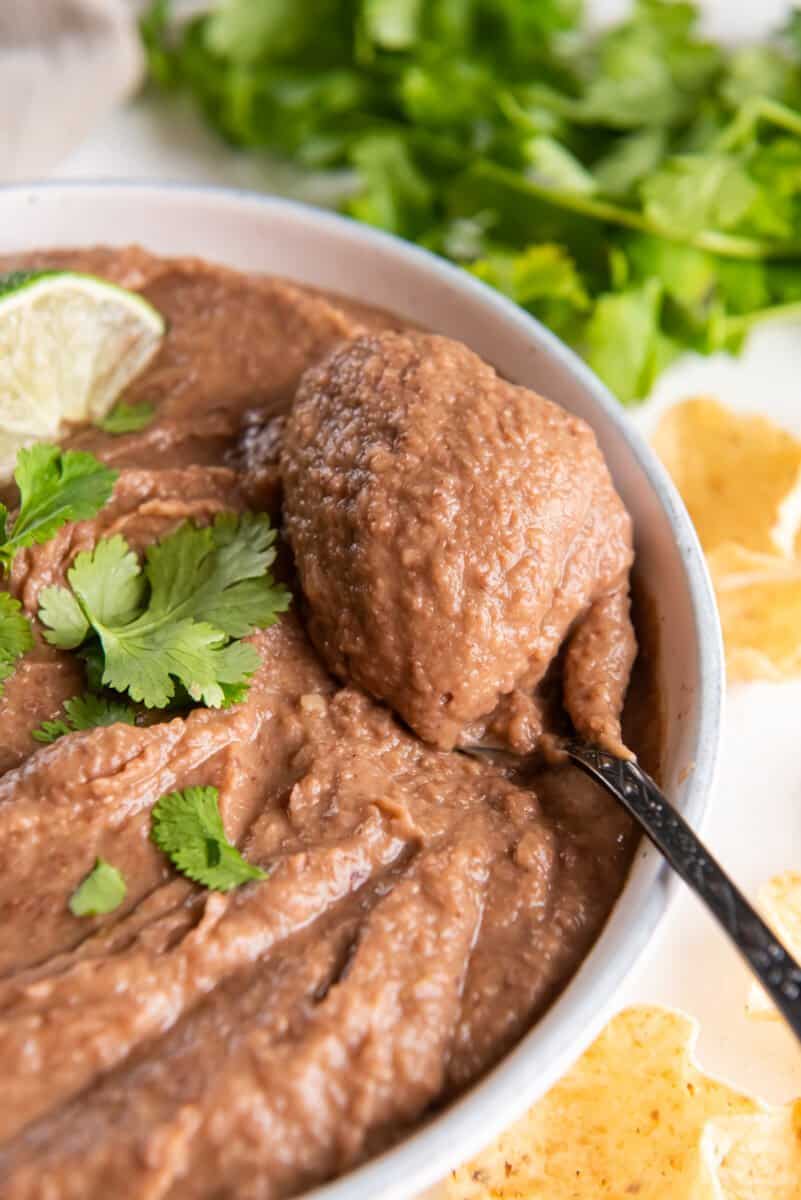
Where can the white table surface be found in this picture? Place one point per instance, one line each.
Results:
(754, 819)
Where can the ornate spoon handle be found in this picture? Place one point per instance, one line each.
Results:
(777, 971)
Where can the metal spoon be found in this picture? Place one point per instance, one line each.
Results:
(774, 967)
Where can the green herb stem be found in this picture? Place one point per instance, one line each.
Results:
(723, 244)
(754, 111)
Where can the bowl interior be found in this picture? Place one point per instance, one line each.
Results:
(258, 234)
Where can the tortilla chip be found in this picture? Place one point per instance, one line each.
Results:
(740, 476)
(758, 1157)
(759, 601)
(627, 1120)
(779, 901)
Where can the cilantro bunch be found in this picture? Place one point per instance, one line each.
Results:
(638, 189)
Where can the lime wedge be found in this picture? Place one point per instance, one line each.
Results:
(69, 345)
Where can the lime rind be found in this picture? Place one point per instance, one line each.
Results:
(14, 281)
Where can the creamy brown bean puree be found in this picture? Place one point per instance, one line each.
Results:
(462, 556)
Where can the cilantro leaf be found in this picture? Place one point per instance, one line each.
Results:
(55, 486)
(393, 24)
(188, 827)
(759, 72)
(629, 160)
(16, 635)
(108, 582)
(85, 712)
(171, 623)
(101, 891)
(64, 617)
(696, 192)
(395, 195)
(146, 658)
(127, 418)
(623, 340)
(542, 278)
(552, 164)
(219, 574)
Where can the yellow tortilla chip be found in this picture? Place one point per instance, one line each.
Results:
(740, 476)
(759, 601)
(779, 901)
(627, 1120)
(756, 1157)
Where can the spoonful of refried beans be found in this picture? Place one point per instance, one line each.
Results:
(454, 535)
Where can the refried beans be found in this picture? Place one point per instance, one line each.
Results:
(451, 531)
(460, 567)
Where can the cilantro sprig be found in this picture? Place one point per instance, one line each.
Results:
(636, 187)
(176, 620)
(99, 893)
(188, 827)
(55, 486)
(127, 418)
(85, 712)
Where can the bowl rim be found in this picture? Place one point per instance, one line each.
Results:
(475, 1118)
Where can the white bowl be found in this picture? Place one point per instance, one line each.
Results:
(257, 233)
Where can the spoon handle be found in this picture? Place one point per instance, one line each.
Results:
(777, 971)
